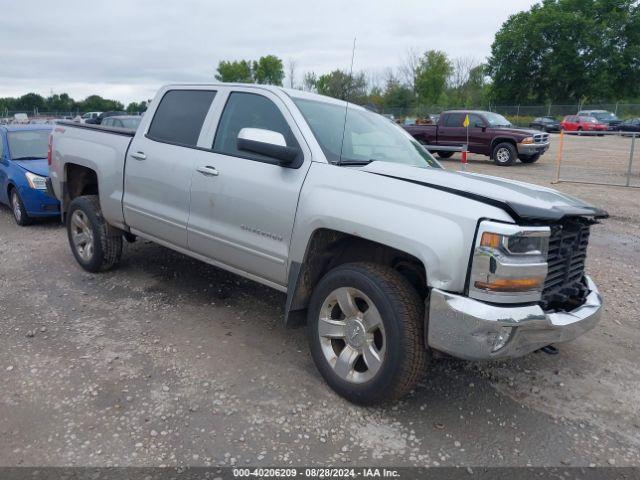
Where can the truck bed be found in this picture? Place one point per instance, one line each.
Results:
(101, 149)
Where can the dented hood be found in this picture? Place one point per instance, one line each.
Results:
(523, 201)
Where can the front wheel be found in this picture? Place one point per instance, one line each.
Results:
(504, 154)
(19, 211)
(95, 245)
(366, 333)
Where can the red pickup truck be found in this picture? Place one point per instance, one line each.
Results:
(489, 134)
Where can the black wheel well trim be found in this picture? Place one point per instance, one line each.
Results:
(499, 140)
(332, 251)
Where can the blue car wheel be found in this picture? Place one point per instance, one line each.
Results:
(17, 206)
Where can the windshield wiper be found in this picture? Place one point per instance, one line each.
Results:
(29, 158)
(356, 162)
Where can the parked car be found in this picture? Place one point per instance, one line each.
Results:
(546, 124)
(98, 120)
(631, 125)
(23, 170)
(122, 121)
(602, 116)
(380, 250)
(86, 117)
(579, 123)
(489, 134)
(20, 119)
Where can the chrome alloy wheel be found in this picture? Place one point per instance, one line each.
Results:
(352, 335)
(81, 235)
(15, 205)
(503, 155)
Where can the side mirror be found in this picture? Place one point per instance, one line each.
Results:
(267, 142)
(480, 125)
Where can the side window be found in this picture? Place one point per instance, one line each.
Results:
(454, 120)
(475, 120)
(107, 122)
(179, 116)
(249, 110)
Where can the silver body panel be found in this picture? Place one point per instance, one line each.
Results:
(256, 219)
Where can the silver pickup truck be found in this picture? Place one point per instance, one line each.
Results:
(386, 256)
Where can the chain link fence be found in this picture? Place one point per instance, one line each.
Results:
(597, 158)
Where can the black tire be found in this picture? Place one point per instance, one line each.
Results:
(106, 241)
(504, 150)
(529, 158)
(445, 154)
(401, 311)
(17, 208)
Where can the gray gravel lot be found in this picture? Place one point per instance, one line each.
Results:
(168, 361)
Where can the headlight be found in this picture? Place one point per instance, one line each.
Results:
(509, 263)
(528, 140)
(36, 181)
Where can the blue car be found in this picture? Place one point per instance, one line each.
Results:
(23, 172)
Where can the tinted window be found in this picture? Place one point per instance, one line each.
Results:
(475, 120)
(180, 116)
(249, 110)
(454, 119)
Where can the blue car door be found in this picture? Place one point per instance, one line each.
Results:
(4, 168)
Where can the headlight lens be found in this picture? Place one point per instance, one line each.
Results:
(527, 140)
(509, 263)
(36, 181)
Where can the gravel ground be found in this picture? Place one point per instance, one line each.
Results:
(168, 361)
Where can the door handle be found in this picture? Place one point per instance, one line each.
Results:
(138, 155)
(208, 170)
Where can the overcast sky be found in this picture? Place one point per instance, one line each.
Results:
(126, 49)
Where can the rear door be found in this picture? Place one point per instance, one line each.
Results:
(160, 164)
(450, 130)
(242, 215)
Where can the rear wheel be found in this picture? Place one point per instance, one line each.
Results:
(95, 245)
(19, 211)
(504, 154)
(445, 154)
(366, 333)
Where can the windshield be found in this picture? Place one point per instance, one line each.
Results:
(28, 145)
(367, 136)
(496, 120)
(604, 116)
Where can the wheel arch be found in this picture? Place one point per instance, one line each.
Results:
(79, 180)
(326, 249)
(499, 140)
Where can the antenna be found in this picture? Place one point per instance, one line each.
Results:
(348, 96)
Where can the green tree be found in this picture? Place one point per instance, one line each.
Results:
(340, 84)
(99, 104)
(398, 97)
(568, 50)
(432, 73)
(268, 70)
(135, 107)
(235, 71)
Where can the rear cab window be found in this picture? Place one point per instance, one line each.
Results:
(453, 119)
(180, 116)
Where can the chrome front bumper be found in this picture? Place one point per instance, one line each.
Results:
(469, 329)
(532, 148)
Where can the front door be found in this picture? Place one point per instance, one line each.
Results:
(243, 204)
(160, 165)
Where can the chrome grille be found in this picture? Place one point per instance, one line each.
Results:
(541, 138)
(567, 254)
